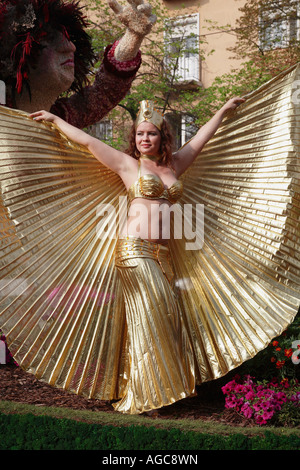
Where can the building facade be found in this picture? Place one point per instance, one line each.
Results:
(204, 31)
(209, 22)
(215, 25)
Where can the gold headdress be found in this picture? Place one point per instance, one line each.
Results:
(149, 113)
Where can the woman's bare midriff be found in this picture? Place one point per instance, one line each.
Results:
(149, 220)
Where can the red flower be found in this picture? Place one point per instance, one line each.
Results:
(280, 364)
(288, 352)
(275, 343)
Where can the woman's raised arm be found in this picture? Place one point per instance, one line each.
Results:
(110, 157)
(185, 156)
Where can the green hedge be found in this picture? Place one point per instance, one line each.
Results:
(29, 432)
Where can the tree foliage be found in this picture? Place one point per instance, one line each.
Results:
(158, 78)
(268, 29)
(267, 42)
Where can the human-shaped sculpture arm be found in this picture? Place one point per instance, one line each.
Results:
(96, 100)
(114, 78)
(138, 19)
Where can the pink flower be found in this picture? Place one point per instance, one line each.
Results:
(266, 405)
(250, 395)
(247, 411)
(257, 406)
(267, 415)
(260, 401)
(231, 402)
(296, 399)
(260, 420)
(229, 387)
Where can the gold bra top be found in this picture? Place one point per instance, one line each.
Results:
(151, 187)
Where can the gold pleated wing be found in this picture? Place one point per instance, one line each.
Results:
(59, 307)
(242, 287)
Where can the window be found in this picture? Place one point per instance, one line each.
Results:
(101, 130)
(183, 127)
(279, 24)
(182, 57)
(188, 128)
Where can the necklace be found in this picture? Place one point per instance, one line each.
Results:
(150, 157)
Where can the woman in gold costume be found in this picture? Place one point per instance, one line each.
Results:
(161, 363)
(97, 315)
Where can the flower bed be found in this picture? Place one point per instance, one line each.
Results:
(260, 401)
(269, 392)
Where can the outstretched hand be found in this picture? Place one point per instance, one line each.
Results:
(136, 16)
(43, 116)
(233, 103)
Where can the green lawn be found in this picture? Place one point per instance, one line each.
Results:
(118, 419)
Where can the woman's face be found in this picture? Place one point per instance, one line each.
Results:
(148, 139)
(55, 66)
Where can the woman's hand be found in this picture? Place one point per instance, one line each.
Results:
(44, 116)
(73, 133)
(114, 159)
(232, 104)
(187, 154)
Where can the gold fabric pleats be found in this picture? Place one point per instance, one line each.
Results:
(59, 296)
(161, 364)
(243, 285)
(62, 304)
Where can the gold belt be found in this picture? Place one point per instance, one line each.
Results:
(132, 247)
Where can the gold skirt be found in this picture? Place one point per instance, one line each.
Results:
(161, 364)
